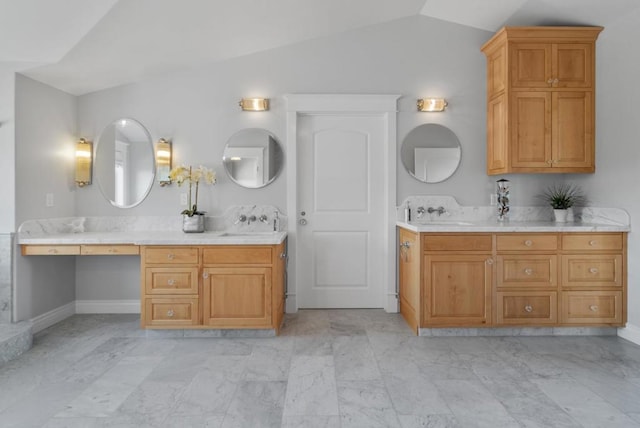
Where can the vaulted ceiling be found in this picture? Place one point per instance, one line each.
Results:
(82, 46)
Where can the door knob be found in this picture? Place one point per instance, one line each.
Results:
(303, 222)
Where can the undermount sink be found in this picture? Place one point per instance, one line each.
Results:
(445, 223)
(247, 233)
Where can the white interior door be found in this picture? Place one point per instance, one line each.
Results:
(341, 211)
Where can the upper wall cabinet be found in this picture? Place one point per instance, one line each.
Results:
(540, 100)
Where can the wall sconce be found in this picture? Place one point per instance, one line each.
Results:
(163, 161)
(84, 162)
(432, 104)
(254, 104)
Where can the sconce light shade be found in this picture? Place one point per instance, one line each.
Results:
(163, 161)
(254, 104)
(84, 162)
(432, 104)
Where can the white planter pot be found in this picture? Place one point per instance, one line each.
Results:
(561, 215)
(193, 224)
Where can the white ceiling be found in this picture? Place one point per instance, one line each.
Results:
(82, 46)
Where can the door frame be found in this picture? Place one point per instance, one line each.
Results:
(383, 106)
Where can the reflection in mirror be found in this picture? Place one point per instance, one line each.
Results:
(253, 158)
(431, 153)
(124, 163)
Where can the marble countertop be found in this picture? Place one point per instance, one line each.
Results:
(509, 226)
(156, 238)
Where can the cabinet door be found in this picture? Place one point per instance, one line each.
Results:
(531, 65)
(572, 125)
(531, 130)
(497, 135)
(237, 297)
(457, 290)
(409, 273)
(572, 65)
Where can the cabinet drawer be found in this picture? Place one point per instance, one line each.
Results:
(175, 311)
(109, 250)
(592, 242)
(527, 242)
(237, 255)
(534, 307)
(603, 270)
(171, 280)
(50, 250)
(530, 270)
(171, 255)
(466, 242)
(592, 307)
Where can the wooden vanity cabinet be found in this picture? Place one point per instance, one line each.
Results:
(540, 100)
(239, 286)
(512, 279)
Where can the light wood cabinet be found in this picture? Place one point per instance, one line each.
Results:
(239, 286)
(512, 279)
(540, 100)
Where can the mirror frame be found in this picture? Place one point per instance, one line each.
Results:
(407, 144)
(151, 150)
(226, 162)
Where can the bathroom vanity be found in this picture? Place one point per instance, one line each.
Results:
(507, 275)
(212, 280)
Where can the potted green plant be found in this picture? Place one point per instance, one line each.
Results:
(193, 219)
(562, 197)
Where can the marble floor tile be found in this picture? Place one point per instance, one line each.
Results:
(473, 405)
(256, 405)
(311, 389)
(328, 368)
(583, 405)
(365, 404)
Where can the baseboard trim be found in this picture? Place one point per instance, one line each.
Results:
(53, 317)
(631, 333)
(107, 306)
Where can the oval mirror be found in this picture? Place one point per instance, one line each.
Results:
(431, 153)
(253, 158)
(124, 163)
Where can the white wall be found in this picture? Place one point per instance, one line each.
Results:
(615, 182)
(45, 141)
(7, 148)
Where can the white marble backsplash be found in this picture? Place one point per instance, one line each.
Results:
(457, 212)
(224, 222)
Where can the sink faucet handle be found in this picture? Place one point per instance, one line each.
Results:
(263, 218)
(420, 211)
(241, 219)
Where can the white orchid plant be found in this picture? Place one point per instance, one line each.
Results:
(192, 175)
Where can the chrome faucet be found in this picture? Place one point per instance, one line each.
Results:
(241, 219)
(251, 218)
(439, 210)
(420, 211)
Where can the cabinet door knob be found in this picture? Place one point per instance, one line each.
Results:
(593, 270)
(205, 275)
(489, 261)
(550, 81)
(528, 271)
(593, 308)
(528, 308)
(556, 80)
(170, 256)
(171, 282)
(528, 243)
(170, 313)
(593, 242)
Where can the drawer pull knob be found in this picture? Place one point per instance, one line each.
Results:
(593, 308)
(593, 270)
(170, 313)
(528, 243)
(593, 242)
(171, 256)
(52, 251)
(489, 261)
(171, 282)
(111, 250)
(528, 308)
(528, 271)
